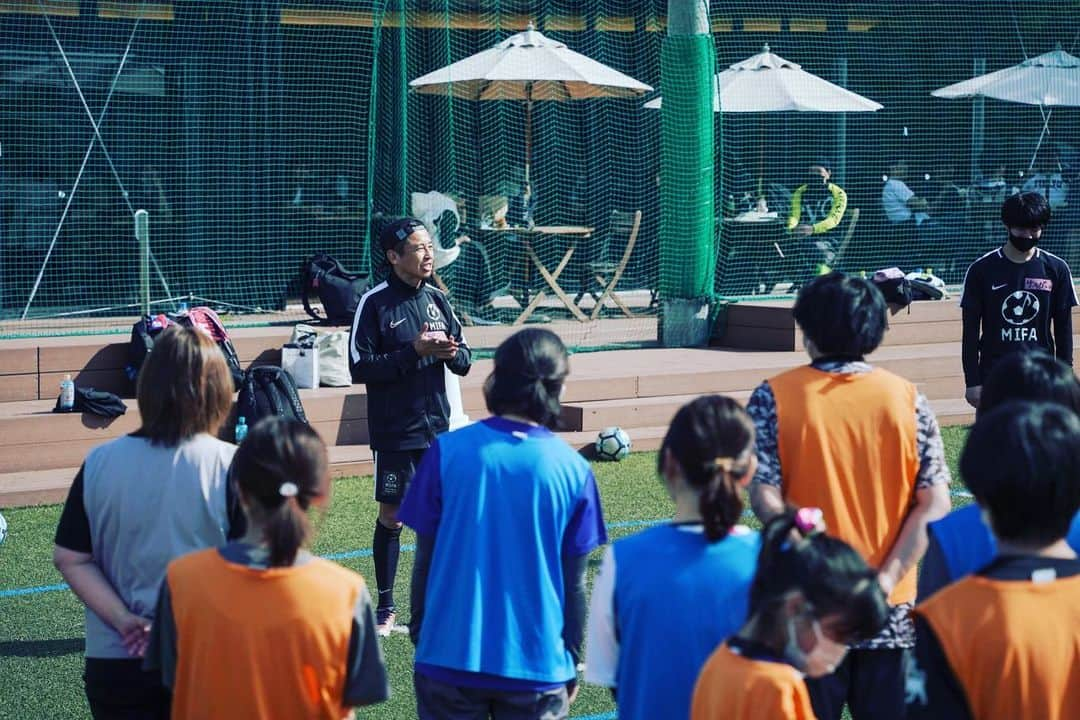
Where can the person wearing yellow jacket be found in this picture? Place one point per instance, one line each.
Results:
(816, 208)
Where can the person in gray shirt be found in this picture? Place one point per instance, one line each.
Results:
(138, 502)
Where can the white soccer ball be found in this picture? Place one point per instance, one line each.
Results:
(3, 529)
(612, 443)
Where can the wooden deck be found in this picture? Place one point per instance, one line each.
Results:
(638, 389)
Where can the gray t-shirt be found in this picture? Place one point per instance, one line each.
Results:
(146, 505)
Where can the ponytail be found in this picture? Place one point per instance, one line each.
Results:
(280, 468)
(712, 440)
(797, 556)
(720, 502)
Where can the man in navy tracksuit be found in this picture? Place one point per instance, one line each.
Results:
(403, 334)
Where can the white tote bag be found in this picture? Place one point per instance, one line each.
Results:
(333, 350)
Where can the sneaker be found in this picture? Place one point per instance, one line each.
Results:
(384, 621)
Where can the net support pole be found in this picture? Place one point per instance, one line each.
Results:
(142, 236)
(687, 176)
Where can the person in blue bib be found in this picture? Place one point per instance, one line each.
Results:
(961, 543)
(666, 597)
(505, 514)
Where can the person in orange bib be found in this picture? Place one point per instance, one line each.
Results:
(812, 594)
(1005, 642)
(261, 628)
(863, 445)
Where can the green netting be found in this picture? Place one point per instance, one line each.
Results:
(688, 247)
(256, 133)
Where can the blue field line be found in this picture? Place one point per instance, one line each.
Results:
(601, 716)
(366, 552)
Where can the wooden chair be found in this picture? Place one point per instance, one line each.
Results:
(607, 274)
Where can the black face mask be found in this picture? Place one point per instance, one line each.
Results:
(1023, 244)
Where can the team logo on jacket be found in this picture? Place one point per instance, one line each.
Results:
(1020, 307)
(433, 312)
(1043, 284)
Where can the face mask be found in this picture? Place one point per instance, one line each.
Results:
(1023, 244)
(822, 660)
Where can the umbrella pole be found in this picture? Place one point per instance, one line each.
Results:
(761, 158)
(1043, 134)
(528, 132)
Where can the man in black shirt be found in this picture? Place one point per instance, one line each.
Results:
(405, 336)
(1013, 295)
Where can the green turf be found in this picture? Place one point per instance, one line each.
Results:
(41, 634)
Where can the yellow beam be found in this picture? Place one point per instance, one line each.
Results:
(65, 8)
(812, 25)
(136, 10)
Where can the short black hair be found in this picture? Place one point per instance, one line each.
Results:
(1022, 464)
(1033, 375)
(1025, 210)
(829, 573)
(841, 314)
(527, 380)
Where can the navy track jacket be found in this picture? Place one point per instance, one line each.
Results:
(406, 394)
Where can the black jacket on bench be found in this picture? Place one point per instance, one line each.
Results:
(406, 394)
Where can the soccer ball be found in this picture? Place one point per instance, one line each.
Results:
(612, 443)
(3, 529)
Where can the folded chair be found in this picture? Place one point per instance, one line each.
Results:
(623, 225)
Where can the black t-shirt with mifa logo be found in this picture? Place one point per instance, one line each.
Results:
(1016, 302)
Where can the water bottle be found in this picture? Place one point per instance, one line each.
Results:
(67, 394)
(240, 432)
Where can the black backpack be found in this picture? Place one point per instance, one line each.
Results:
(894, 285)
(143, 333)
(338, 289)
(268, 390)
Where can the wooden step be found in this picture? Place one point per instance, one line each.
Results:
(649, 411)
(42, 487)
(769, 325)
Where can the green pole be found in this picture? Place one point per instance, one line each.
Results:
(687, 176)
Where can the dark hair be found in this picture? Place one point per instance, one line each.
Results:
(828, 572)
(1022, 463)
(279, 468)
(841, 314)
(1031, 375)
(712, 440)
(530, 367)
(1025, 210)
(184, 387)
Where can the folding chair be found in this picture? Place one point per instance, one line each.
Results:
(608, 274)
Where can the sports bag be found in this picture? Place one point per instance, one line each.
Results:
(205, 319)
(268, 390)
(894, 285)
(338, 289)
(143, 333)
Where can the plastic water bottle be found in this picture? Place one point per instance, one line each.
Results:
(67, 394)
(241, 429)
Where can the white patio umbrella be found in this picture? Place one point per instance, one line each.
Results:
(531, 67)
(767, 82)
(1049, 80)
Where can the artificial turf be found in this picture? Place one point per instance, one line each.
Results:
(41, 632)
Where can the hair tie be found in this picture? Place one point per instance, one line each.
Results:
(288, 490)
(809, 520)
(722, 463)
